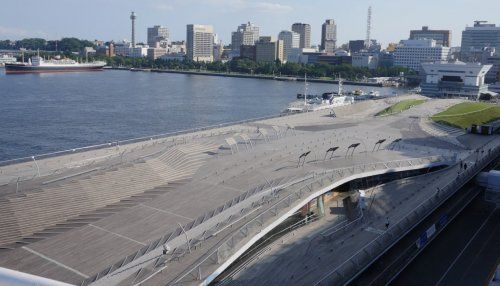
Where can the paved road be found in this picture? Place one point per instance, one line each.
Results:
(465, 253)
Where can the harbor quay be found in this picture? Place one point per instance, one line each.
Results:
(184, 209)
(256, 76)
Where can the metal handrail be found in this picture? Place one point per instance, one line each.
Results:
(115, 143)
(413, 211)
(320, 180)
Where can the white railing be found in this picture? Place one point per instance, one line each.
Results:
(287, 200)
(346, 271)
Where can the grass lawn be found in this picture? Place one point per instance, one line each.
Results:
(465, 114)
(400, 106)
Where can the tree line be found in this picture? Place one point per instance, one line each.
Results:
(64, 45)
(248, 66)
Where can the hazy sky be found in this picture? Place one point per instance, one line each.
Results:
(109, 19)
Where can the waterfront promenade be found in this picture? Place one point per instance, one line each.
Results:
(255, 76)
(106, 215)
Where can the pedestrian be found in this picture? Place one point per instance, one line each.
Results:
(387, 222)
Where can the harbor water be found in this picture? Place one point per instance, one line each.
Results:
(42, 113)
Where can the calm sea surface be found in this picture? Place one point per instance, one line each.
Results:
(41, 113)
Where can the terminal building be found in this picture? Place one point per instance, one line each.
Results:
(457, 79)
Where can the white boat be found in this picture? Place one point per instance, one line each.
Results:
(374, 93)
(316, 104)
(38, 65)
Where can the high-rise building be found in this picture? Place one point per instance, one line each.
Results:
(329, 36)
(246, 34)
(442, 37)
(304, 31)
(132, 18)
(154, 53)
(365, 60)
(475, 39)
(158, 36)
(355, 46)
(269, 50)
(200, 43)
(291, 40)
(412, 53)
(489, 57)
(248, 52)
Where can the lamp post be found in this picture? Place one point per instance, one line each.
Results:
(36, 164)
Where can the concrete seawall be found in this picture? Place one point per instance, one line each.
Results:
(268, 77)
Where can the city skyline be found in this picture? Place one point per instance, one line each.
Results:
(106, 20)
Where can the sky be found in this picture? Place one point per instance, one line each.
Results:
(109, 19)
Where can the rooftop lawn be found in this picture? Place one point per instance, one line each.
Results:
(465, 114)
(400, 106)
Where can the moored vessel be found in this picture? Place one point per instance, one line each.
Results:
(327, 101)
(38, 65)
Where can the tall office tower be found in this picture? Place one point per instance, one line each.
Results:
(442, 37)
(158, 34)
(356, 46)
(304, 31)
(475, 39)
(291, 40)
(246, 34)
(200, 43)
(267, 49)
(329, 36)
(132, 18)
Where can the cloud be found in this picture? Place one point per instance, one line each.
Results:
(273, 8)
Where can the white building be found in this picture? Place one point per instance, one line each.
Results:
(125, 49)
(200, 43)
(177, 47)
(7, 59)
(154, 53)
(365, 60)
(139, 51)
(298, 55)
(412, 53)
(246, 34)
(291, 40)
(455, 79)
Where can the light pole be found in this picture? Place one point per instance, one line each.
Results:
(187, 237)
(36, 164)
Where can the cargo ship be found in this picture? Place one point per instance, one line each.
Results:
(38, 65)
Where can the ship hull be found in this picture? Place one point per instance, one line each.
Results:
(17, 68)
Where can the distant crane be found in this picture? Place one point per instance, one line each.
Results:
(368, 28)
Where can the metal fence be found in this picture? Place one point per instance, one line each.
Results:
(144, 139)
(286, 199)
(346, 271)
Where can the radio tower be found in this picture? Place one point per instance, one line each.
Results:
(368, 28)
(133, 17)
